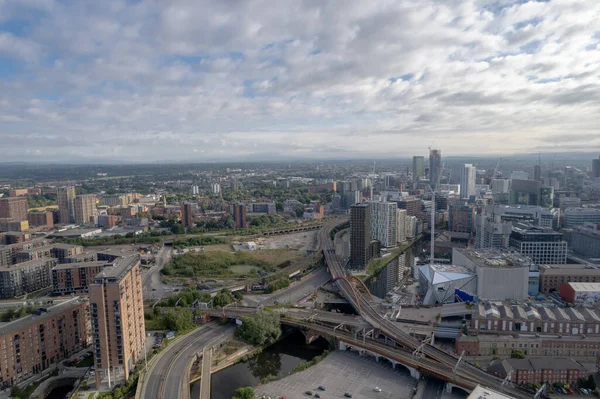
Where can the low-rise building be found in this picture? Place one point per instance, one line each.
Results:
(585, 240)
(580, 293)
(509, 318)
(25, 277)
(552, 276)
(530, 371)
(36, 342)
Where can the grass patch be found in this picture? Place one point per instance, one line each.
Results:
(244, 269)
(24, 393)
(219, 264)
(156, 322)
(87, 362)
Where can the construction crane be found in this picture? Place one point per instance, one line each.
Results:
(495, 172)
(432, 221)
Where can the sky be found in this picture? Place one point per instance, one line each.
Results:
(191, 80)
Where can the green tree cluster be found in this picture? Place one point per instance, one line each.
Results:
(223, 298)
(179, 319)
(517, 354)
(212, 264)
(588, 383)
(198, 241)
(244, 393)
(278, 285)
(261, 329)
(40, 201)
(14, 314)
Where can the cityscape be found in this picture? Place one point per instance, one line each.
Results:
(240, 200)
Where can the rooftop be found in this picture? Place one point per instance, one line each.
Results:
(79, 265)
(498, 310)
(23, 265)
(507, 365)
(115, 273)
(493, 257)
(486, 393)
(585, 287)
(19, 324)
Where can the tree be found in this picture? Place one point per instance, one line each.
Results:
(179, 319)
(517, 354)
(299, 212)
(261, 329)
(244, 393)
(223, 298)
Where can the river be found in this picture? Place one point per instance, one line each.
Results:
(278, 359)
(60, 392)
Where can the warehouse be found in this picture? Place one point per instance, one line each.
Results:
(580, 293)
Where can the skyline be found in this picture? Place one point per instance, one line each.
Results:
(141, 82)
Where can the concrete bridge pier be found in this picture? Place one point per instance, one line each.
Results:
(449, 387)
(342, 346)
(414, 373)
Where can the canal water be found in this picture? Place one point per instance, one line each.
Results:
(59, 393)
(278, 359)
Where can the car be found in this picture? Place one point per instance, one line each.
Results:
(377, 389)
(308, 393)
(322, 388)
(348, 395)
(317, 395)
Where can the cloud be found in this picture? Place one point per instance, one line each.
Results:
(152, 80)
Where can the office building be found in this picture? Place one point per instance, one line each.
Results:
(117, 314)
(41, 219)
(467, 180)
(538, 371)
(552, 276)
(461, 219)
(418, 168)
(36, 342)
(580, 216)
(187, 215)
(239, 215)
(500, 186)
(65, 197)
(68, 278)
(401, 225)
(13, 208)
(261, 208)
(350, 198)
(383, 223)
(435, 167)
(491, 231)
(541, 245)
(360, 235)
(85, 208)
(23, 278)
(411, 205)
(525, 192)
(596, 168)
(584, 240)
(547, 197)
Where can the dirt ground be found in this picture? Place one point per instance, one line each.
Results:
(300, 241)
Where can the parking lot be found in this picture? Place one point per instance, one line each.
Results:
(340, 373)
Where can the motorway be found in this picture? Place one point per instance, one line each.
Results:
(166, 376)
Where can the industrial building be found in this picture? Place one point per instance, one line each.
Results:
(580, 293)
(552, 276)
(117, 314)
(41, 340)
(542, 246)
(501, 274)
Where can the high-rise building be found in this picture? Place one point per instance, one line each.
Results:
(195, 190)
(36, 342)
(187, 215)
(65, 197)
(216, 189)
(117, 314)
(543, 246)
(525, 192)
(596, 168)
(500, 186)
(239, 215)
(85, 208)
(435, 167)
(401, 225)
(383, 223)
(13, 208)
(25, 277)
(41, 219)
(537, 172)
(360, 235)
(418, 168)
(467, 180)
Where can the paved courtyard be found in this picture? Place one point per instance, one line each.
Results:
(342, 372)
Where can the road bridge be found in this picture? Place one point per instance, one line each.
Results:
(205, 380)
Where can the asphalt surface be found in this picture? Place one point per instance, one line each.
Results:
(165, 378)
(206, 366)
(153, 287)
(300, 289)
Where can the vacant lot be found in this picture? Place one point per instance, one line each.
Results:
(229, 264)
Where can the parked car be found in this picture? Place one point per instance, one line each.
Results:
(348, 395)
(377, 389)
(322, 388)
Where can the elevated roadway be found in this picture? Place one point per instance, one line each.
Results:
(360, 299)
